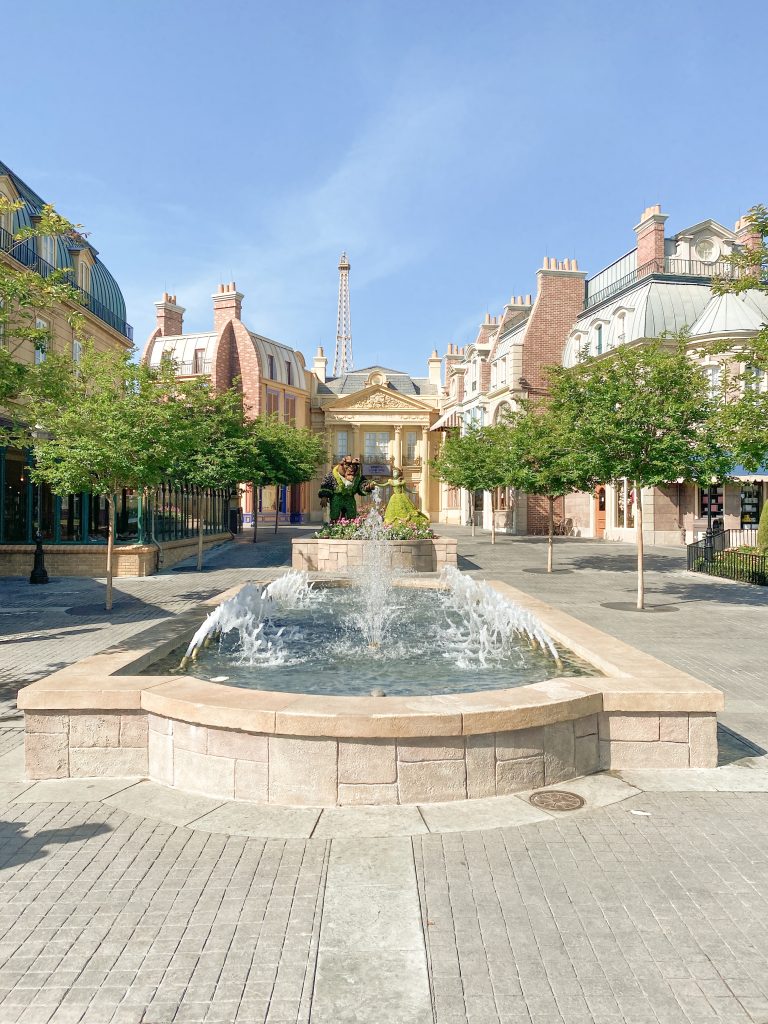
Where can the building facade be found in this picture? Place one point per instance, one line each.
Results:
(26, 508)
(271, 375)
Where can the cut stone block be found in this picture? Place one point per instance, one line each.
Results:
(241, 745)
(519, 743)
(618, 754)
(674, 728)
(367, 794)
(302, 771)
(46, 721)
(702, 732)
(587, 754)
(200, 773)
(367, 761)
(159, 724)
(559, 752)
(585, 726)
(252, 781)
(430, 781)
(133, 730)
(481, 765)
(431, 748)
(46, 756)
(160, 749)
(638, 725)
(522, 773)
(190, 737)
(107, 762)
(94, 730)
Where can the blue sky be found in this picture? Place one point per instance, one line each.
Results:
(447, 146)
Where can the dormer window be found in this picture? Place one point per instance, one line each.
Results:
(621, 333)
(599, 339)
(271, 367)
(83, 275)
(288, 372)
(47, 249)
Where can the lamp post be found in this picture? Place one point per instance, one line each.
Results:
(39, 573)
(709, 535)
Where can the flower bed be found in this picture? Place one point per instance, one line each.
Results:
(350, 529)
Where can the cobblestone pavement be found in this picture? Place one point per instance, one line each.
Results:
(650, 911)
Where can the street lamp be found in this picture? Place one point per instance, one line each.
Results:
(709, 535)
(39, 573)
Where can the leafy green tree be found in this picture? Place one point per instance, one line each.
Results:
(103, 424)
(26, 295)
(476, 460)
(543, 460)
(212, 445)
(762, 531)
(644, 413)
(287, 455)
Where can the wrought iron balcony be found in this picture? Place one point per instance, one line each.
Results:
(25, 252)
(669, 267)
(193, 367)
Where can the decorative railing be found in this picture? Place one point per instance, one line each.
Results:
(723, 559)
(668, 267)
(193, 367)
(25, 252)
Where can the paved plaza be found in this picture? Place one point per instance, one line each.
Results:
(124, 902)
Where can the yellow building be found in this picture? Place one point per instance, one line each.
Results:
(383, 417)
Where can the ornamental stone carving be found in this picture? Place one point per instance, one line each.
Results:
(379, 401)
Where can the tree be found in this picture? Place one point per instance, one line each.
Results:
(213, 446)
(103, 424)
(762, 531)
(475, 461)
(288, 455)
(542, 458)
(644, 413)
(25, 294)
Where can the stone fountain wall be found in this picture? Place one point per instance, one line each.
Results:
(329, 771)
(324, 555)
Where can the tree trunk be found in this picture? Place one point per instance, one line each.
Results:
(110, 547)
(550, 532)
(200, 529)
(639, 532)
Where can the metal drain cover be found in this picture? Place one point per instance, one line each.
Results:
(556, 800)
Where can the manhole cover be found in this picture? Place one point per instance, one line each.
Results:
(556, 800)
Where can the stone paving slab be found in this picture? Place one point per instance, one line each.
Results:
(151, 800)
(53, 791)
(726, 779)
(237, 818)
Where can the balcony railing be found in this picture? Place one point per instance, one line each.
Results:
(668, 267)
(193, 367)
(25, 252)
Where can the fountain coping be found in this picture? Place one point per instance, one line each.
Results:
(633, 682)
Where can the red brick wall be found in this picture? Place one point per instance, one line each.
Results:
(559, 301)
(538, 513)
(650, 240)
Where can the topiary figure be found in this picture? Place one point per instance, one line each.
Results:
(400, 509)
(762, 531)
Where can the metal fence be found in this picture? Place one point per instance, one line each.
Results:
(725, 561)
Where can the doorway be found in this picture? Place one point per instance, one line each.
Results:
(600, 512)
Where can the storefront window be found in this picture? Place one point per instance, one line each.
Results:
(70, 518)
(15, 508)
(751, 495)
(714, 495)
(625, 504)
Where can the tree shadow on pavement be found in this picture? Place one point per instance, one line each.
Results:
(17, 848)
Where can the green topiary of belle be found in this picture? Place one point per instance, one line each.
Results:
(762, 531)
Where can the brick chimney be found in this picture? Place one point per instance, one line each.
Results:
(227, 302)
(650, 240)
(747, 234)
(170, 316)
(559, 300)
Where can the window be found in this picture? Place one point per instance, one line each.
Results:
(273, 403)
(6, 217)
(198, 361)
(271, 367)
(494, 374)
(503, 371)
(625, 504)
(454, 497)
(376, 446)
(712, 373)
(599, 339)
(47, 250)
(288, 372)
(474, 375)
(41, 325)
(84, 275)
(411, 442)
(290, 409)
(621, 333)
(342, 444)
(77, 350)
(755, 379)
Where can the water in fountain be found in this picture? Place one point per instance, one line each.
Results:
(377, 607)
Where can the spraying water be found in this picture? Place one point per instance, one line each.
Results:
(374, 580)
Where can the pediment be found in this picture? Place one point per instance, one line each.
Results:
(378, 398)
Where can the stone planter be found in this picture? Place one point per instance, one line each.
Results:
(324, 555)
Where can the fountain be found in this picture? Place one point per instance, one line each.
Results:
(374, 687)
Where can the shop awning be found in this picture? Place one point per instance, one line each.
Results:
(758, 477)
(447, 421)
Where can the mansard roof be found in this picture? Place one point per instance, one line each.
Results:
(396, 379)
